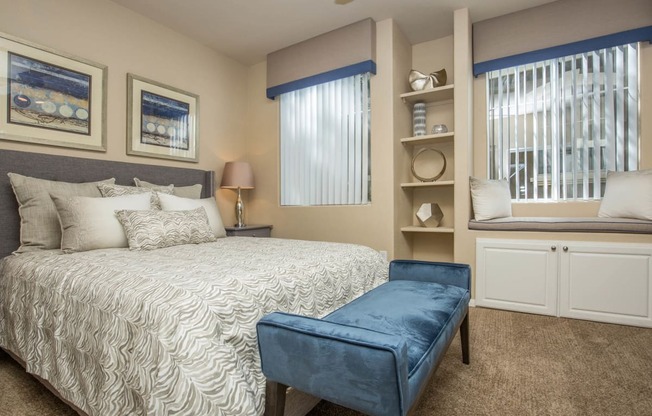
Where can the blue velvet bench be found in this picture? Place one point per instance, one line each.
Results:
(376, 353)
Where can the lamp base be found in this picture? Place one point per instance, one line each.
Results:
(239, 211)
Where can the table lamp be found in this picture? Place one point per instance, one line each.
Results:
(238, 175)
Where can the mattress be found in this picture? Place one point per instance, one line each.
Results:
(169, 331)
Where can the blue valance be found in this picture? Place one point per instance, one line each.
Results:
(339, 73)
(622, 38)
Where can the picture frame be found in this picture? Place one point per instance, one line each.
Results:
(162, 121)
(50, 97)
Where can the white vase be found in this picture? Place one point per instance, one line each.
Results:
(419, 119)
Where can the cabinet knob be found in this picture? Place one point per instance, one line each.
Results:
(565, 248)
(553, 248)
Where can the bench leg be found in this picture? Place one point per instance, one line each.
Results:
(464, 336)
(275, 398)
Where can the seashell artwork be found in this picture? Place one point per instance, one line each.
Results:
(420, 81)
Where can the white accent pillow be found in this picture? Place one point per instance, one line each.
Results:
(627, 195)
(149, 230)
(175, 203)
(90, 223)
(491, 198)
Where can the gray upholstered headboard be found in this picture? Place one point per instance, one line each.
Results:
(73, 169)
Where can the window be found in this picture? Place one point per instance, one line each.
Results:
(325, 134)
(555, 128)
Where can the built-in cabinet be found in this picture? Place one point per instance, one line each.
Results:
(606, 282)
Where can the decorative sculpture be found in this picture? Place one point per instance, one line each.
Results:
(439, 129)
(419, 81)
(430, 215)
(436, 176)
(419, 119)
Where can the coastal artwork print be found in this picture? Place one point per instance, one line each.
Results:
(165, 121)
(50, 97)
(162, 120)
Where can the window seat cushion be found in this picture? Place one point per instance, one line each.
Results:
(565, 224)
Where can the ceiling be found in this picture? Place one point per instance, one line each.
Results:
(247, 30)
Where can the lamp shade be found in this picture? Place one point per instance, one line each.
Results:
(237, 175)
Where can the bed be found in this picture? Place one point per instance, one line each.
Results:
(163, 331)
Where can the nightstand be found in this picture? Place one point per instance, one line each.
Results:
(250, 231)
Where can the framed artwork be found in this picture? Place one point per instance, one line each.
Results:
(162, 120)
(50, 97)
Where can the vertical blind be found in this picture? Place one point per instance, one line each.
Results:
(325, 135)
(556, 127)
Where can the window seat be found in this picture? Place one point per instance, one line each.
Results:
(565, 224)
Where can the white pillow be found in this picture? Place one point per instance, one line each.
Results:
(89, 223)
(491, 198)
(627, 195)
(175, 203)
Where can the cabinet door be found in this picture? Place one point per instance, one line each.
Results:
(606, 282)
(517, 275)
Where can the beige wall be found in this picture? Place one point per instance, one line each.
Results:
(372, 224)
(402, 53)
(434, 55)
(112, 35)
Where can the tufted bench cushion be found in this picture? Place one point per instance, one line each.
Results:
(376, 353)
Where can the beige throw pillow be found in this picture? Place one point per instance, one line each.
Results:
(39, 223)
(91, 223)
(174, 203)
(627, 195)
(191, 191)
(491, 198)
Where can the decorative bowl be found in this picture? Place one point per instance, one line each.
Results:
(439, 128)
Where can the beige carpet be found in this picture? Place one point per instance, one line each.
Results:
(520, 365)
(525, 364)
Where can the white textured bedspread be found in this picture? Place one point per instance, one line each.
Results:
(169, 331)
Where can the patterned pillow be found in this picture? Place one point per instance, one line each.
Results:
(90, 223)
(175, 203)
(120, 190)
(39, 224)
(148, 230)
(191, 191)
